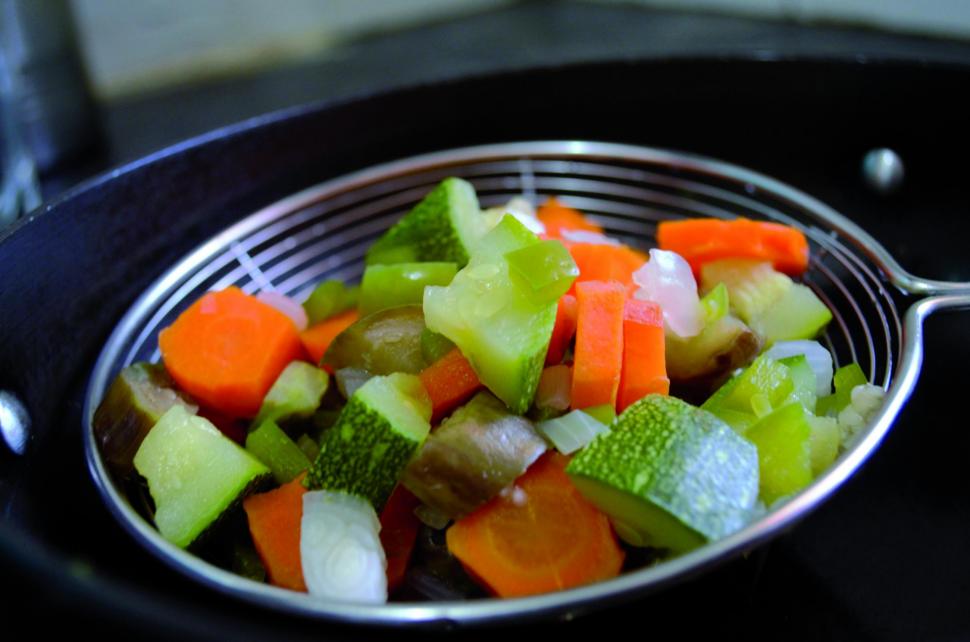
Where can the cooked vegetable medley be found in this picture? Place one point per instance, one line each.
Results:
(509, 403)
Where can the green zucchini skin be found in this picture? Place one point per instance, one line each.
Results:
(375, 436)
(669, 475)
(442, 227)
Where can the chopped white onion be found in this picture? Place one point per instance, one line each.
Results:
(521, 209)
(340, 548)
(865, 400)
(587, 236)
(819, 359)
(287, 306)
(667, 279)
(572, 431)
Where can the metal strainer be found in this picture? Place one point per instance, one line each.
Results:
(323, 232)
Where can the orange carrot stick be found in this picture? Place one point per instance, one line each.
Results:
(558, 217)
(274, 522)
(563, 330)
(644, 364)
(399, 530)
(449, 381)
(317, 338)
(605, 262)
(543, 536)
(227, 350)
(598, 354)
(710, 239)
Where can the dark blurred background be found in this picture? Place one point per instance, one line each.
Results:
(90, 84)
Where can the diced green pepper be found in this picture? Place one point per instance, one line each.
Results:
(270, 445)
(329, 298)
(544, 271)
(783, 439)
(803, 380)
(715, 304)
(387, 286)
(845, 379)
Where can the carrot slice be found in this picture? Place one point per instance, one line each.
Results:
(709, 239)
(274, 522)
(227, 350)
(543, 536)
(606, 262)
(557, 217)
(644, 364)
(563, 330)
(449, 381)
(598, 354)
(317, 338)
(399, 530)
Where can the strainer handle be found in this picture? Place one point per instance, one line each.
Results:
(913, 334)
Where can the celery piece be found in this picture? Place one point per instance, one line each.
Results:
(824, 442)
(572, 431)
(329, 298)
(270, 445)
(544, 271)
(434, 345)
(803, 380)
(605, 413)
(386, 286)
(295, 394)
(783, 439)
(845, 379)
(765, 376)
(715, 304)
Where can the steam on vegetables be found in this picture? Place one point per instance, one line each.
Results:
(511, 384)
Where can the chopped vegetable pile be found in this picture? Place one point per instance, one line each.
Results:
(509, 403)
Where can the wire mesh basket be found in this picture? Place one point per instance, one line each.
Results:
(323, 233)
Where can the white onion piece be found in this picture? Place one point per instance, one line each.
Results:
(287, 306)
(667, 279)
(819, 359)
(586, 236)
(521, 209)
(571, 432)
(340, 548)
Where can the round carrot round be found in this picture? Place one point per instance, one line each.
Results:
(542, 536)
(227, 349)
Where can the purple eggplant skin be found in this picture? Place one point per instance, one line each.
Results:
(136, 399)
(479, 450)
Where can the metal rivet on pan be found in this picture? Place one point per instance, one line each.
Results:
(14, 422)
(883, 170)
